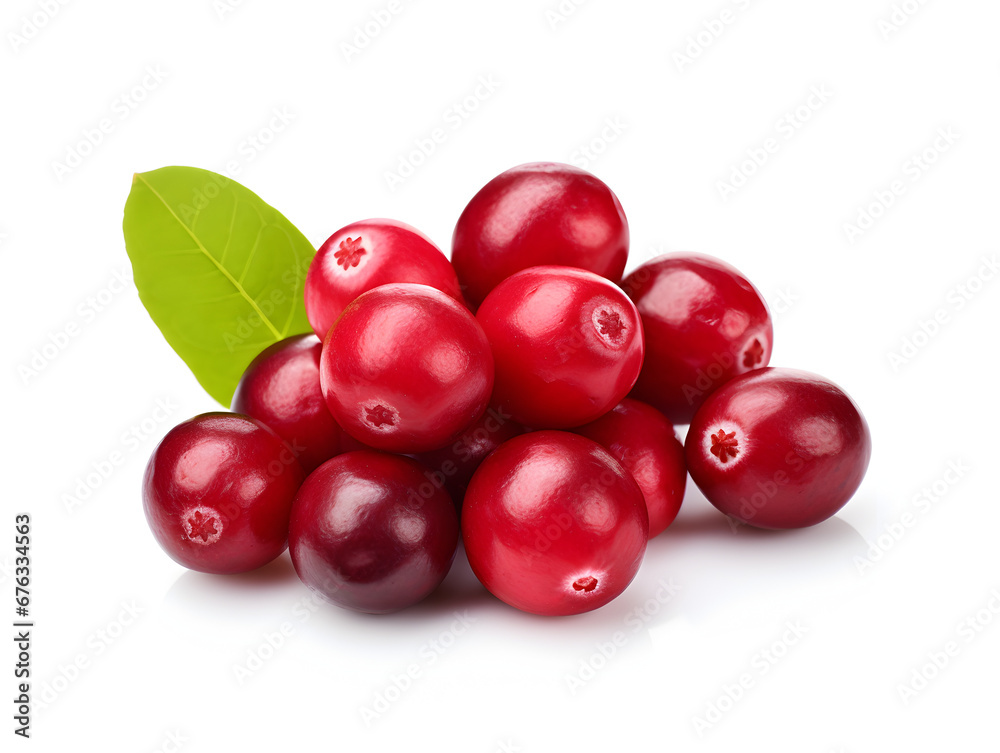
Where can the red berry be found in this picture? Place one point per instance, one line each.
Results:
(280, 388)
(367, 254)
(218, 492)
(778, 448)
(539, 213)
(640, 438)
(553, 524)
(453, 466)
(370, 533)
(704, 323)
(406, 369)
(567, 343)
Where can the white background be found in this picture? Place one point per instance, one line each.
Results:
(166, 679)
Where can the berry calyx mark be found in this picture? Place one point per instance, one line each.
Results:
(350, 252)
(609, 325)
(587, 583)
(203, 525)
(754, 354)
(725, 446)
(379, 415)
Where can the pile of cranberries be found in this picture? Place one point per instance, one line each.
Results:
(522, 397)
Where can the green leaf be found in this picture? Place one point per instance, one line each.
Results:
(220, 272)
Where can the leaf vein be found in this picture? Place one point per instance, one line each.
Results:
(229, 235)
(225, 272)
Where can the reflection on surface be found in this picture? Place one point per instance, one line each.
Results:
(703, 584)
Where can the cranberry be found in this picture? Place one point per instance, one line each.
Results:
(640, 438)
(553, 524)
(453, 466)
(568, 345)
(539, 213)
(281, 389)
(367, 254)
(704, 324)
(406, 368)
(369, 533)
(778, 448)
(218, 491)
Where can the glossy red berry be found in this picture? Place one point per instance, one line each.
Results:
(641, 438)
(406, 369)
(704, 324)
(539, 213)
(553, 524)
(281, 389)
(367, 254)
(778, 448)
(370, 533)
(452, 466)
(218, 492)
(568, 345)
